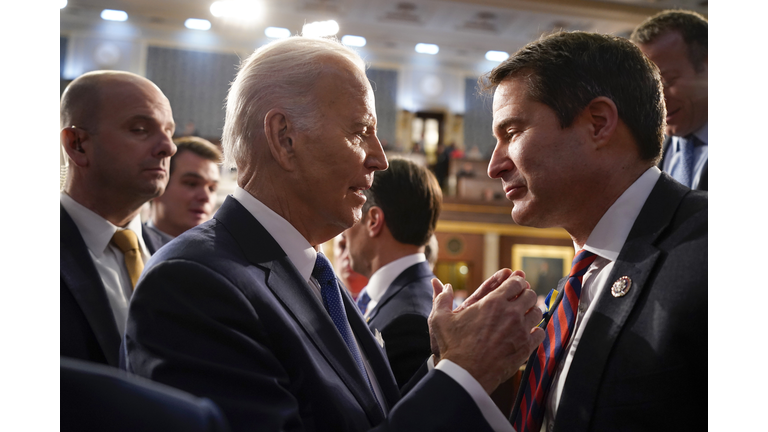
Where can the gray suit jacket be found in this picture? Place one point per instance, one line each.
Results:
(641, 364)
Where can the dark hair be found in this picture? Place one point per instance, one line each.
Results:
(567, 70)
(691, 26)
(410, 198)
(199, 146)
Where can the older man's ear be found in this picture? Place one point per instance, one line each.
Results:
(279, 132)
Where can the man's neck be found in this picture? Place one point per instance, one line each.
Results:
(594, 210)
(109, 208)
(394, 251)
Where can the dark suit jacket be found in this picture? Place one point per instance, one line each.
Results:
(401, 317)
(158, 237)
(222, 313)
(641, 364)
(88, 330)
(703, 180)
(96, 398)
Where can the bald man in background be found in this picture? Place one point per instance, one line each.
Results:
(116, 130)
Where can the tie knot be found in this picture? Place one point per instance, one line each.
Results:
(126, 240)
(581, 262)
(323, 271)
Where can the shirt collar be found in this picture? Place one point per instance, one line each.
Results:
(96, 231)
(609, 235)
(383, 277)
(702, 134)
(298, 249)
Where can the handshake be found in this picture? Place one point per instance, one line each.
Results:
(492, 333)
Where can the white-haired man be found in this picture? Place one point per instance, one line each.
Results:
(244, 310)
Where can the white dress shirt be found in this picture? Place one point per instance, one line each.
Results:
(700, 154)
(109, 260)
(605, 241)
(383, 278)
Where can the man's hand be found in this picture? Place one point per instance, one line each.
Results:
(486, 287)
(492, 336)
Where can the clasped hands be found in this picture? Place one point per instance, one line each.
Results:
(492, 333)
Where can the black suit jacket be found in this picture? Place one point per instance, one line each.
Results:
(703, 180)
(96, 398)
(87, 328)
(401, 316)
(641, 364)
(222, 313)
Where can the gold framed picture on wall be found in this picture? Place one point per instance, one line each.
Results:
(543, 265)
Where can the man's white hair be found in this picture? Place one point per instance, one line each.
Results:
(281, 74)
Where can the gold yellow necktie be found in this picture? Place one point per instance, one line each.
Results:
(127, 241)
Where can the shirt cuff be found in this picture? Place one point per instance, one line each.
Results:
(488, 408)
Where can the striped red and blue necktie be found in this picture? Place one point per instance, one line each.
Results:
(550, 352)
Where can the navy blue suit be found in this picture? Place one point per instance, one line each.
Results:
(222, 313)
(96, 398)
(641, 364)
(87, 328)
(401, 317)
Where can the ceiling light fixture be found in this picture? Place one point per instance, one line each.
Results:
(114, 15)
(320, 28)
(197, 24)
(277, 32)
(496, 56)
(353, 41)
(424, 48)
(236, 9)
(62, 4)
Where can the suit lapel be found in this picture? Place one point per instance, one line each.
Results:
(296, 296)
(373, 351)
(413, 272)
(83, 280)
(636, 260)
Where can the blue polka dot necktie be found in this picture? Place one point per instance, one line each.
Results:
(552, 349)
(329, 290)
(362, 301)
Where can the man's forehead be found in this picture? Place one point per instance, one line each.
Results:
(510, 91)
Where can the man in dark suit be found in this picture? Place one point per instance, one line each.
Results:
(243, 309)
(116, 129)
(676, 41)
(577, 146)
(387, 246)
(97, 398)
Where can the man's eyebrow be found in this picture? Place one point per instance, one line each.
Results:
(500, 126)
(148, 118)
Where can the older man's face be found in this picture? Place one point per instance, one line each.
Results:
(336, 161)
